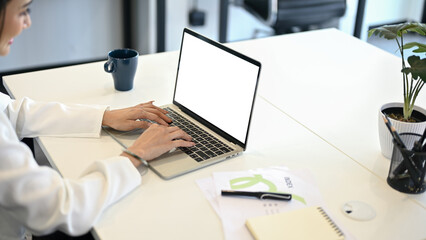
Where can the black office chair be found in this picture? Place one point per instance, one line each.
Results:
(286, 16)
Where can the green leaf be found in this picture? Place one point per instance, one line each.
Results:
(417, 68)
(393, 31)
(420, 47)
(419, 28)
(387, 31)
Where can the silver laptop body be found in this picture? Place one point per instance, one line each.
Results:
(215, 89)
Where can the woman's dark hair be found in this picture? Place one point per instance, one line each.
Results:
(3, 4)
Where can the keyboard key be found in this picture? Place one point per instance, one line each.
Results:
(207, 146)
(186, 150)
(202, 155)
(214, 149)
(218, 152)
(210, 153)
(225, 149)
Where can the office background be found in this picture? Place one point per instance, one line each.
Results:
(72, 31)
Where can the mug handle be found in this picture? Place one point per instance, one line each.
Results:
(109, 66)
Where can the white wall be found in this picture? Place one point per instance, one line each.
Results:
(378, 12)
(347, 22)
(241, 25)
(177, 17)
(145, 32)
(66, 31)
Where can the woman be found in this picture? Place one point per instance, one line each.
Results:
(37, 198)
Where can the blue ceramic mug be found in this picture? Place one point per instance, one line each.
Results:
(122, 64)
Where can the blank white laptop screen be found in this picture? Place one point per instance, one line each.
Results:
(216, 85)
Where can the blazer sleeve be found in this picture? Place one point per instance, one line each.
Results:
(33, 119)
(41, 200)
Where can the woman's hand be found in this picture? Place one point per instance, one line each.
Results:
(126, 119)
(158, 139)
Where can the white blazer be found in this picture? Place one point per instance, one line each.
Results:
(38, 198)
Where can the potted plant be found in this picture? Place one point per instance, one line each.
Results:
(405, 116)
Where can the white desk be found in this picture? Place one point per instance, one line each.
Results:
(333, 84)
(177, 209)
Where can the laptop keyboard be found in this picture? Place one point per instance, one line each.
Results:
(206, 145)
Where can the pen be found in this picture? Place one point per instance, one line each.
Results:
(418, 145)
(260, 195)
(399, 169)
(406, 162)
(393, 131)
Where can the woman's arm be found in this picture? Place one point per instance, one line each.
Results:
(41, 200)
(32, 119)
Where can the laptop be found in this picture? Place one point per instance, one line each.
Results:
(213, 101)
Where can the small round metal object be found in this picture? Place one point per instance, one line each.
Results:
(358, 211)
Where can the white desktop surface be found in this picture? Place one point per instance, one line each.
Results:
(177, 209)
(334, 85)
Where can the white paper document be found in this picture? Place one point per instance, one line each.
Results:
(234, 211)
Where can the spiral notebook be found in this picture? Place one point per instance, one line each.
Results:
(305, 223)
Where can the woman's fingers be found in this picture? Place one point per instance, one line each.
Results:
(151, 106)
(177, 133)
(128, 118)
(158, 139)
(157, 115)
(142, 124)
(183, 143)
